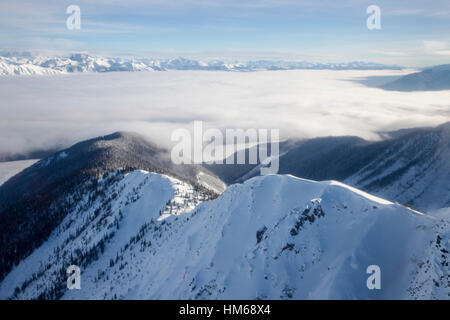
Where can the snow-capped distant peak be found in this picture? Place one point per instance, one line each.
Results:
(17, 64)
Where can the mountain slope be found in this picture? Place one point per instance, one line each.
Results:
(112, 212)
(414, 170)
(430, 79)
(409, 166)
(276, 237)
(37, 199)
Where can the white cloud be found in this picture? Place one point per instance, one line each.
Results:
(443, 52)
(435, 47)
(44, 111)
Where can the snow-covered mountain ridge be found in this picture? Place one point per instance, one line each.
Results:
(36, 200)
(149, 236)
(97, 219)
(26, 64)
(410, 166)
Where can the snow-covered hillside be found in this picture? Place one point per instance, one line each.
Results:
(413, 170)
(410, 166)
(118, 210)
(431, 79)
(27, 64)
(150, 236)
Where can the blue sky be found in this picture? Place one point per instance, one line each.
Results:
(414, 32)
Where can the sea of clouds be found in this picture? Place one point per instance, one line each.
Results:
(47, 111)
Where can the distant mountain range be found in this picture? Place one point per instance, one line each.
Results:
(26, 64)
(409, 166)
(430, 79)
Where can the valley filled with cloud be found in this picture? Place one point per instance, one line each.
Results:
(42, 112)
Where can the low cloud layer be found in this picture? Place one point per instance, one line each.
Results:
(43, 112)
